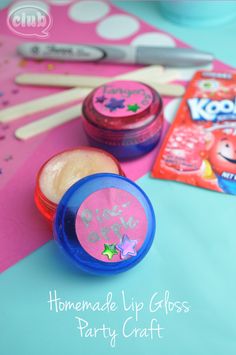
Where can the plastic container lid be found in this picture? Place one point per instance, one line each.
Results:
(105, 223)
(122, 105)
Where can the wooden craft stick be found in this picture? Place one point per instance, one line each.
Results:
(150, 72)
(44, 124)
(38, 105)
(168, 75)
(60, 80)
(54, 120)
(146, 75)
(168, 89)
(53, 100)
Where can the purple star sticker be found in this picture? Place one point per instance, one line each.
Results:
(100, 99)
(127, 247)
(113, 104)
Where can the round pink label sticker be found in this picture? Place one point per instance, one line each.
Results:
(122, 98)
(111, 225)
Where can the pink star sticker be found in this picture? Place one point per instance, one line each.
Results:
(127, 247)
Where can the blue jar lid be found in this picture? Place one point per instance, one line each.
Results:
(105, 223)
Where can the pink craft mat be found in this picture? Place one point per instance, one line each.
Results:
(23, 230)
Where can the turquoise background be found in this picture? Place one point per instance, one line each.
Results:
(219, 39)
(4, 3)
(198, 13)
(193, 257)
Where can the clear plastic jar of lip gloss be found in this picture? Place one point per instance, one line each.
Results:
(124, 118)
(62, 170)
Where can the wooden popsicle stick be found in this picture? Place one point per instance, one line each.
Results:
(86, 81)
(46, 102)
(146, 75)
(32, 129)
(38, 105)
(44, 124)
(168, 75)
(168, 89)
(150, 75)
(54, 120)
(157, 69)
(150, 72)
(60, 80)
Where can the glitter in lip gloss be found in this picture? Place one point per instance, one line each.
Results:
(64, 169)
(124, 118)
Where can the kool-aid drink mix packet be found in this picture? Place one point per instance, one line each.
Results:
(200, 147)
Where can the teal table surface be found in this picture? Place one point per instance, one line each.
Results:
(185, 288)
(217, 39)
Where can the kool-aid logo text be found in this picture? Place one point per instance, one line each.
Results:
(29, 21)
(212, 110)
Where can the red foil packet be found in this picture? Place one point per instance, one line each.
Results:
(200, 147)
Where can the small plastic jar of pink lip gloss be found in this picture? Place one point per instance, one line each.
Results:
(62, 170)
(124, 118)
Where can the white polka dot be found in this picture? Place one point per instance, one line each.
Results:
(117, 27)
(171, 109)
(88, 11)
(40, 4)
(187, 73)
(60, 2)
(153, 39)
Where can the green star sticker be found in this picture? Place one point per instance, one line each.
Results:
(110, 250)
(133, 107)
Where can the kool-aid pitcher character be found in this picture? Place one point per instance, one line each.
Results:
(200, 147)
(222, 157)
